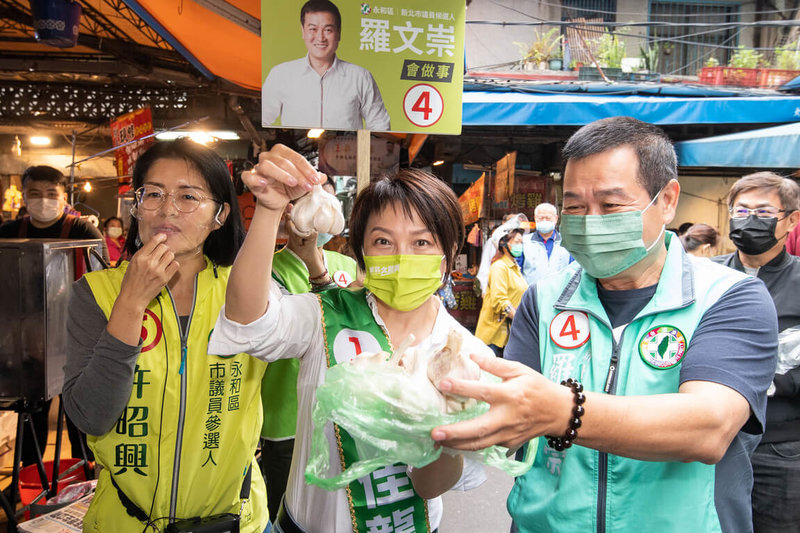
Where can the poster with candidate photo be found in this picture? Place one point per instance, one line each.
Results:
(394, 65)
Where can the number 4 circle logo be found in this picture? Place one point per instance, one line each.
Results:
(423, 105)
(570, 329)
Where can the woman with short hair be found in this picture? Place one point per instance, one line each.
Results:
(405, 231)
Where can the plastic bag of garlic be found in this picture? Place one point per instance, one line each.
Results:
(388, 405)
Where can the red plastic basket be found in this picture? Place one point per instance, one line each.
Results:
(30, 486)
(711, 75)
(740, 77)
(769, 78)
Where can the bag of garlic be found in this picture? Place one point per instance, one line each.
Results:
(387, 405)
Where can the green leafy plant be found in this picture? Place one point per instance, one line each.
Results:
(787, 57)
(649, 55)
(610, 50)
(544, 47)
(711, 62)
(745, 58)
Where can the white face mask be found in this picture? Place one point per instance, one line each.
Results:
(44, 209)
(114, 233)
(545, 226)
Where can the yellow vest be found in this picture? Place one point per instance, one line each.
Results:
(191, 425)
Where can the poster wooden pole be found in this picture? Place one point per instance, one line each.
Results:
(362, 159)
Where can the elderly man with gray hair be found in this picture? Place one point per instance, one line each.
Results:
(543, 252)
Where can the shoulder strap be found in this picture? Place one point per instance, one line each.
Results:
(66, 226)
(23, 227)
(132, 509)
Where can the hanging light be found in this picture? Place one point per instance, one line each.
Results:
(40, 140)
(16, 146)
(87, 186)
(438, 162)
(315, 133)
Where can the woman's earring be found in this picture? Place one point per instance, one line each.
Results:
(138, 241)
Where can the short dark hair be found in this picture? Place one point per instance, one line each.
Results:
(787, 189)
(658, 163)
(415, 191)
(320, 6)
(698, 235)
(43, 173)
(110, 219)
(221, 245)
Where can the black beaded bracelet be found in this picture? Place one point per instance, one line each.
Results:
(562, 443)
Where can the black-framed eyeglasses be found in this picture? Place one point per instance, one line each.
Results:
(760, 212)
(152, 197)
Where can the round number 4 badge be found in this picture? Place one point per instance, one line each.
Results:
(423, 105)
(570, 329)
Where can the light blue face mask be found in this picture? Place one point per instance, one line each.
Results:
(323, 238)
(606, 245)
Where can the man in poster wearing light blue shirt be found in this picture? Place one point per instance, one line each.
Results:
(320, 90)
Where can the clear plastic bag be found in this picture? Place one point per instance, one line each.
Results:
(390, 418)
(788, 350)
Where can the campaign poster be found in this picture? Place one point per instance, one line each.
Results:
(391, 65)
(126, 128)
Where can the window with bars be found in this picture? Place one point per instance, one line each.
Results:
(684, 49)
(589, 9)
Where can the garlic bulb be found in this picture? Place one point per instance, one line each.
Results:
(318, 211)
(423, 370)
(450, 362)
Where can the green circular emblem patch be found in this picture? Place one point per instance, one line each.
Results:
(662, 347)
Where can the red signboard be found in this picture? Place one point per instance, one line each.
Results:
(126, 128)
(472, 201)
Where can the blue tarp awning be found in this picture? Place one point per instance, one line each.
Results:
(510, 108)
(794, 84)
(777, 147)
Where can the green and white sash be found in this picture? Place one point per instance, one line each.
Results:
(384, 500)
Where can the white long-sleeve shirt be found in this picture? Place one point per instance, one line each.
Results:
(338, 100)
(292, 327)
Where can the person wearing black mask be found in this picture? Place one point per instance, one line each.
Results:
(764, 209)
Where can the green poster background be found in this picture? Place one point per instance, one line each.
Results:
(281, 40)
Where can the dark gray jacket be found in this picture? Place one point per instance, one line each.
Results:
(782, 278)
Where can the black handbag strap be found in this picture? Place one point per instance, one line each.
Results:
(132, 509)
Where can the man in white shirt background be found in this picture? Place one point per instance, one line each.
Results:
(542, 248)
(320, 90)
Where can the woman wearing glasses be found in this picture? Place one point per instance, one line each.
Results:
(174, 428)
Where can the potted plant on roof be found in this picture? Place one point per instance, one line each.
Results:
(742, 68)
(544, 47)
(609, 51)
(786, 66)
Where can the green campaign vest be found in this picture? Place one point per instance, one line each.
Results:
(190, 428)
(581, 489)
(279, 386)
(385, 500)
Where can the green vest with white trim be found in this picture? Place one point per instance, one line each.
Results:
(177, 385)
(385, 500)
(581, 489)
(279, 386)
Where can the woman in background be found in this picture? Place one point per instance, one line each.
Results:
(700, 240)
(505, 289)
(115, 241)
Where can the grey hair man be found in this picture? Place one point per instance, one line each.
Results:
(543, 252)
